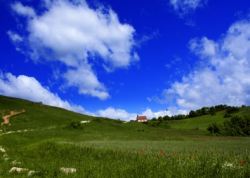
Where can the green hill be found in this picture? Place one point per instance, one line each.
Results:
(37, 115)
(46, 138)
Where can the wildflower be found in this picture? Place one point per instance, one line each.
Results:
(2, 149)
(243, 162)
(18, 170)
(68, 170)
(5, 157)
(15, 162)
(162, 153)
(32, 173)
(227, 165)
(84, 122)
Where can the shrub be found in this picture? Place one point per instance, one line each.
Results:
(192, 114)
(212, 112)
(237, 126)
(227, 115)
(76, 125)
(214, 128)
(154, 123)
(231, 110)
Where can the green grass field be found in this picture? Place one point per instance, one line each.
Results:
(111, 148)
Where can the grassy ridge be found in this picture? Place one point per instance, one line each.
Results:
(37, 115)
(112, 148)
(200, 122)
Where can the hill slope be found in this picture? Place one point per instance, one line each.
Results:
(37, 115)
(111, 148)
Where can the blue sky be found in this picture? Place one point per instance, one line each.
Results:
(122, 58)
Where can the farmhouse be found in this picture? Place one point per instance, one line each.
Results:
(141, 118)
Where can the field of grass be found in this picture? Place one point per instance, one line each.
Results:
(112, 148)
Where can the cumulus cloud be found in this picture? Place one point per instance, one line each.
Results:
(116, 113)
(86, 81)
(223, 77)
(75, 34)
(15, 38)
(150, 114)
(29, 88)
(184, 6)
(23, 10)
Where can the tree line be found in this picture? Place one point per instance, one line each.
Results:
(201, 112)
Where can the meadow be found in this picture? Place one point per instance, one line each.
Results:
(43, 140)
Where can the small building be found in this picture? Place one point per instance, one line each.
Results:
(141, 119)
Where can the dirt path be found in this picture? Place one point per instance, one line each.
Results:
(6, 118)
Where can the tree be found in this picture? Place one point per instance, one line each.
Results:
(237, 126)
(214, 128)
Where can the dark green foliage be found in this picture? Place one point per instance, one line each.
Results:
(158, 123)
(237, 126)
(212, 111)
(76, 125)
(214, 128)
(192, 114)
(166, 117)
(227, 115)
(231, 110)
(154, 123)
(154, 119)
(204, 111)
(179, 117)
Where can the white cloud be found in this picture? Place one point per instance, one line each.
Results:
(116, 113)
(184, 6)
(15, 38)
(86, 81)
(23, 10)
(223, 77)
(74, 34)
(26, 87)
(29, 88)
(150, 114)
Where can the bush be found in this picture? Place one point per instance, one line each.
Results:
(227, 115)
(76, 125)
(212, 112)
(231, 110)
(237, 126)
(154, 123)
(214, 128)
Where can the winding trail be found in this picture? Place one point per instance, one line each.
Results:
(6, 118)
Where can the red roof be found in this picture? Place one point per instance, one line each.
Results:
(141, 118)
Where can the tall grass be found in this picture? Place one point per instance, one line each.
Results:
(48, 157)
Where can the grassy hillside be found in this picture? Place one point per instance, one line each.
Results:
(37, 115)
(200, 123)
(112, 148)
